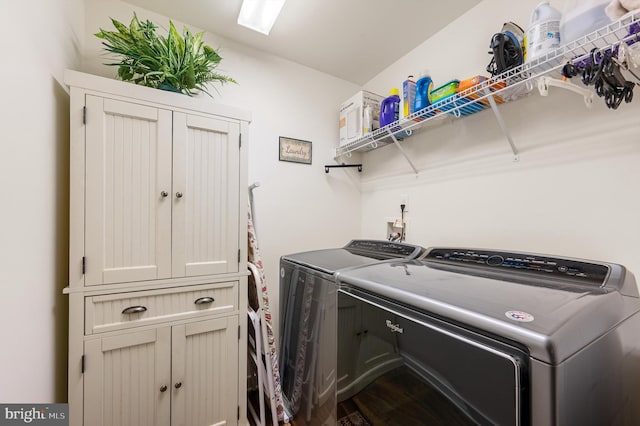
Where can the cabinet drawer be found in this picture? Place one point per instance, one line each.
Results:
(133, 309)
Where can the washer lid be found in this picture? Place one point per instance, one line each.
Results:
(355, 253)
(554, 320)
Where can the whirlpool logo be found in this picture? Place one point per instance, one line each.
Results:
(38, 414)
(394, 327)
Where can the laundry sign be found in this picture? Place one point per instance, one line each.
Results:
(295, 150)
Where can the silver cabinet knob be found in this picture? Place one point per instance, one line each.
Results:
(164, 194)
(179, 194)
(163, 388)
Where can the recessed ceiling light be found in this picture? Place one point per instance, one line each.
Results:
(259, 15)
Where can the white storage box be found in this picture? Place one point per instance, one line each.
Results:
(352, 115)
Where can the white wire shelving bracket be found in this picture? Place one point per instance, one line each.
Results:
(402, 151)
(546, 81)
(502, 124)
(506, 87)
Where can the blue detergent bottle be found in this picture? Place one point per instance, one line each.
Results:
(424, 85)
(390, 112)
(390, 108)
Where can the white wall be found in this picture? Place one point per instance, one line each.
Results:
(38, 40)
(297, 207)
(572, 192)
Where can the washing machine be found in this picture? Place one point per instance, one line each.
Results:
(467, 336)
(309, 323)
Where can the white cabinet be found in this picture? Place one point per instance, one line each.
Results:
(204, 368)
(205, 219)
(128, 164)
(179, 375)
(127, 379)
(162, 191)
(157, 257)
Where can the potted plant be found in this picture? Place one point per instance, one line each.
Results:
(180, 63)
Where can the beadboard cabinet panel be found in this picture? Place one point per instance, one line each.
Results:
(204, 362)
(128, 222)
(162, 193)
(205, 216)
(124, 379)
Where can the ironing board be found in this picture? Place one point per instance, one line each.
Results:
(264, 347)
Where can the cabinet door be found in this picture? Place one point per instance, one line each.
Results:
(124, 378)
(204, 373)
(128, 166)
(205, 195)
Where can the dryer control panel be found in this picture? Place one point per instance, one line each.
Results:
(575, 271)
(385, 249)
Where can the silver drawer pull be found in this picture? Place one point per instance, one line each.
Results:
(134, 310)
(204, 300)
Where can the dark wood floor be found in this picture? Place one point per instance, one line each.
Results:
(400, 398)
(321, 415)
(397, 398)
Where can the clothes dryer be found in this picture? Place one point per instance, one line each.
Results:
(309, 323)
(491, 337)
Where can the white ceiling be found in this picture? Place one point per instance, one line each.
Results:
(350, 39)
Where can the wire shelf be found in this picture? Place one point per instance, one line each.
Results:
(506, 87)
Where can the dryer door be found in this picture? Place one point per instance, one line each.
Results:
(406, 366)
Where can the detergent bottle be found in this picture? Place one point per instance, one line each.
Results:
(390, 108)
(367, 120)
(390, 112)
(543, 34)
(408, 96)
(424, 86)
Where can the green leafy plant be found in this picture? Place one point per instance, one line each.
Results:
(178, 63)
